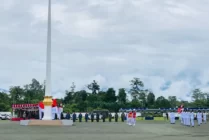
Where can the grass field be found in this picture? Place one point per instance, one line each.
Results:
(144, 130)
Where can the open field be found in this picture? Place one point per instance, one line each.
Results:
(145, 130)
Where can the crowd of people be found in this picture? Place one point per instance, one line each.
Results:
(95, 116)
(187, 117)
(129, 117)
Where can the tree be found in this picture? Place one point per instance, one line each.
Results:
(172, 100)
(136, 85)
(5, 103)
(92, 101)
(199, 98)
(135, 103)
(73, 88)
(162, 102)
(151, 99)
(80, 99)
(110, 95)
(143, 96)
(17, 94)
(207, 104)
(122, 96)
(68, 99)
(94, 87)
(34, 92)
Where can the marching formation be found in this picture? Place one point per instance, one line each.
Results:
(188, 117)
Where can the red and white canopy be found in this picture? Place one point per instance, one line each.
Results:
(21, 106)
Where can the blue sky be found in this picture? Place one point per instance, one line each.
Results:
(163, 42)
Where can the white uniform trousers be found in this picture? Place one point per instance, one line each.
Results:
(192, 122)
(199, 121)
(133, 122)
(204, 119)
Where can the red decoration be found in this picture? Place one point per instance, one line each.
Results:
(41, 105)
(180, 109)
(20, 106)
(54, 102)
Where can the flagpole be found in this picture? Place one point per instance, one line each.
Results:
(48, 96)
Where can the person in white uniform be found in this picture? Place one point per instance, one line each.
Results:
(189, 117)
(171, 117)
(192, 118)
(204, 117)
(127, 119)
(186, 117)
(181, 116)
(199, 117)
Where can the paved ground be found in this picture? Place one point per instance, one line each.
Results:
(144, 130)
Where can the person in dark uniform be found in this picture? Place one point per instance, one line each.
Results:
(80, 116)
(167, 115)
(103, 117)
(92, 117)
(116, 117)
(62, 116)
(74, 117)
(123, 117)
(97, 117)
(110, 117)
(55, 116)
(86, 117)
(68, 116)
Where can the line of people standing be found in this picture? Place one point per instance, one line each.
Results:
(187, 118)
(96, 117)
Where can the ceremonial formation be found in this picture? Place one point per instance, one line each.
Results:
(49, 111)
(184, 116)
(188, 117)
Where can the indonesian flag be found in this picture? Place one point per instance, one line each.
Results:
(180, 109)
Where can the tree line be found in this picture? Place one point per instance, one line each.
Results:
(93, 98)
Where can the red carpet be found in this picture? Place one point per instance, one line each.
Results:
(18, 119)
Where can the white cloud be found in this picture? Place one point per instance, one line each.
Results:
(110, 41)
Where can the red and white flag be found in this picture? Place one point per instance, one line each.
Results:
(180, 109)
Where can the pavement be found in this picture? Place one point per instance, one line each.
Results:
(144, 130)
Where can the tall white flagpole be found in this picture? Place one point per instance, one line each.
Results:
(48, 96)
